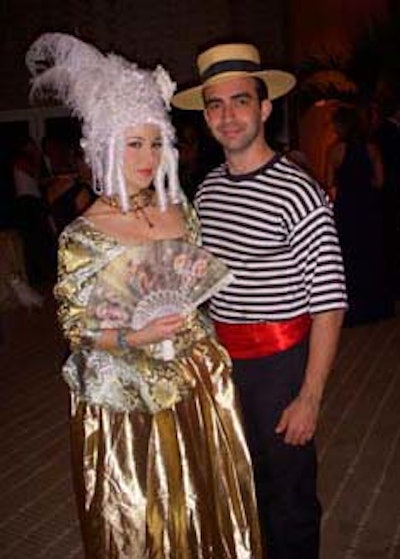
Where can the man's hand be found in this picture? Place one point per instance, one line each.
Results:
(299, 421)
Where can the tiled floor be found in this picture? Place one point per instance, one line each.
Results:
(359, 445)
(37, 509)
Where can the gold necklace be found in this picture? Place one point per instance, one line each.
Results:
(138, 203)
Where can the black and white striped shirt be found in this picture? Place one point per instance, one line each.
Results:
(274, 229)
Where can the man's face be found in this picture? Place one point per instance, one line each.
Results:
(235, 115)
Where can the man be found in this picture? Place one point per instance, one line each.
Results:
(281, 316)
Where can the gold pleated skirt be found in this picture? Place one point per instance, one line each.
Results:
(173, 485)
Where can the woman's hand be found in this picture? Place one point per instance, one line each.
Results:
(156, 331)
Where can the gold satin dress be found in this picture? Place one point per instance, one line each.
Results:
(160, 465)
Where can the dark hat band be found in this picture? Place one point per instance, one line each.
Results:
(229, 66)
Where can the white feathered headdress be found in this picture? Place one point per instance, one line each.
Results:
(108, 94)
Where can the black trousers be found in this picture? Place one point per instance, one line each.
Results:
(285, 475)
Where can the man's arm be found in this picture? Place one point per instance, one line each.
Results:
(299, 420)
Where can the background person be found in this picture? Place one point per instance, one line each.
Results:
(385, 133)
(354, 177)
(32, 215)
(280, 318)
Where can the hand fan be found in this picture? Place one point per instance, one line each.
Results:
(153, 280)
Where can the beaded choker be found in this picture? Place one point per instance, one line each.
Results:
(138, 203)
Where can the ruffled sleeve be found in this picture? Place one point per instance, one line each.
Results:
(82, 254)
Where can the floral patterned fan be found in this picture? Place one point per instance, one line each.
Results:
(154, 280)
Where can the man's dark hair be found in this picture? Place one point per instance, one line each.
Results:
(261, 89)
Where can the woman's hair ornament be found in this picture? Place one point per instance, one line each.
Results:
(108, 94)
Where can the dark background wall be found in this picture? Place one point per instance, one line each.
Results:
(171, 31)
(149, 31)
(330, 27)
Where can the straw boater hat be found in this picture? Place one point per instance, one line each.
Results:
(227, 61)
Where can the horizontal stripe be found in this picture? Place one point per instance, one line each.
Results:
(229, 66)
(275, 230)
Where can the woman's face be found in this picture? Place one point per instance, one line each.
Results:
(142, 154)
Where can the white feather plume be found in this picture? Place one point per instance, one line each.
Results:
(109, 94)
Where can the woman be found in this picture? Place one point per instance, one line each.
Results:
(354, 178)
(159, 462)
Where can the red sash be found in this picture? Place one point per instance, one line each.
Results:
(259, 339)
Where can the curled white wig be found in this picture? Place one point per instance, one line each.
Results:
(108, 94)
